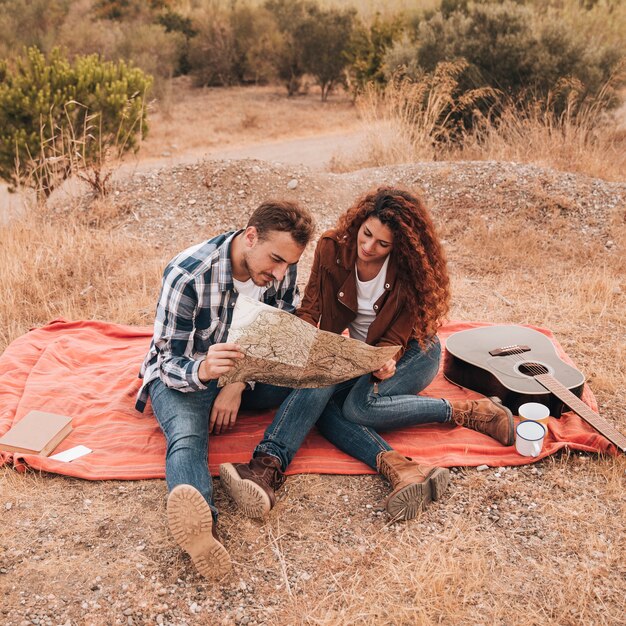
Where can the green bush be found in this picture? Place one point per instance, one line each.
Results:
(287, 56)
(256, 41)
(212, 53)
(324, 39)
(58, 118)
(509, 46)
(367, 49)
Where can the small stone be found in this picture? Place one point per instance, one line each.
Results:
(482, 468)
(8, 506)
(127, 611)
(191, 202)
(292, 184)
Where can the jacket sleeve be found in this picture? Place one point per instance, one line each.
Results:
(399, 331)
(311, 306)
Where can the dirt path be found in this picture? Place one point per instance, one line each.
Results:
(314, 152)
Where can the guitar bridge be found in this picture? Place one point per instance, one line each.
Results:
(507, 350)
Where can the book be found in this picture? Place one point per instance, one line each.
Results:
(37, 432)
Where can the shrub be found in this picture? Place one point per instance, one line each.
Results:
(509, 46)
(30, 23)
(256, 40)
(57, 117)
(287, 57)
(324, 38)
(212, 53)
(367, 50)
(174, 22)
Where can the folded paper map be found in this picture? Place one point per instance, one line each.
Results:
(282, 349)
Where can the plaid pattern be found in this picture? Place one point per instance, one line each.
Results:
(195, 310)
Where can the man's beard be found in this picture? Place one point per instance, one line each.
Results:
(260, 280)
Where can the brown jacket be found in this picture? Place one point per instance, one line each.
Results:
(330, 299)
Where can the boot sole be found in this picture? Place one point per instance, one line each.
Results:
(511, 440)
(408, 502)
(191, 523)
(247, 495)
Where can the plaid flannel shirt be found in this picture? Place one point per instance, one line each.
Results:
(195, 310)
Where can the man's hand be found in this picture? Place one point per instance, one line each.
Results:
(386, 371)
(220, 359)
(225, 408)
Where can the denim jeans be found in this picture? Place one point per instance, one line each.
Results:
(184, 419)
(395, 403)
(347, 413)
(304, 408)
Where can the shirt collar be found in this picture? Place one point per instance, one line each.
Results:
(225, 264)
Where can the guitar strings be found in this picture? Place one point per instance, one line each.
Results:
(533, 368)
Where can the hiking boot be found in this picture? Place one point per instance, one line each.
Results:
(488, 416)
(253, 485)
(191, 522)
(414, 485)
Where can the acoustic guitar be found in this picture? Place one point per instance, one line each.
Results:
(519, 365)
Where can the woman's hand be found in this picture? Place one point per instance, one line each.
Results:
(386, 371)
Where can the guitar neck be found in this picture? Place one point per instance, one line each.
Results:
(581, 409)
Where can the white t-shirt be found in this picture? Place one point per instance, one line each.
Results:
(248, 288)
(367, 293)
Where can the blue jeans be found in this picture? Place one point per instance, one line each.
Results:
(395, 404)
(304, 408)
(184, 419)
(334, 408)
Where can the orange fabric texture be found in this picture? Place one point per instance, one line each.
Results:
(88, 370)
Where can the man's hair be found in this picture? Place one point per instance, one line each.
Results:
(283, 216)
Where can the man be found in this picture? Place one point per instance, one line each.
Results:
(188, 354)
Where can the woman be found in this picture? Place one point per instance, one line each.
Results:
(382, 275)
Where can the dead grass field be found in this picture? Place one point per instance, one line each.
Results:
(541, 544)
(188, 120)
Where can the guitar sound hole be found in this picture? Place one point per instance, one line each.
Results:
(533, 369)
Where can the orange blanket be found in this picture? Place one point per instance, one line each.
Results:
(88, 370)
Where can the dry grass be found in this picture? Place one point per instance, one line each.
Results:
(61, 266)
(203, 119)
(407, 122)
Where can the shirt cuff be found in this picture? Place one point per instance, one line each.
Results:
(195, 375)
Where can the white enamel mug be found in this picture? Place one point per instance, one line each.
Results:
(534, 411)
(529, 438)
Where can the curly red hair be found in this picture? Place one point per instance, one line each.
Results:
(417, 251)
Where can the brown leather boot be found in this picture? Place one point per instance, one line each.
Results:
(253, 485)
(191, 522)
(414, 485)
(488, 416)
